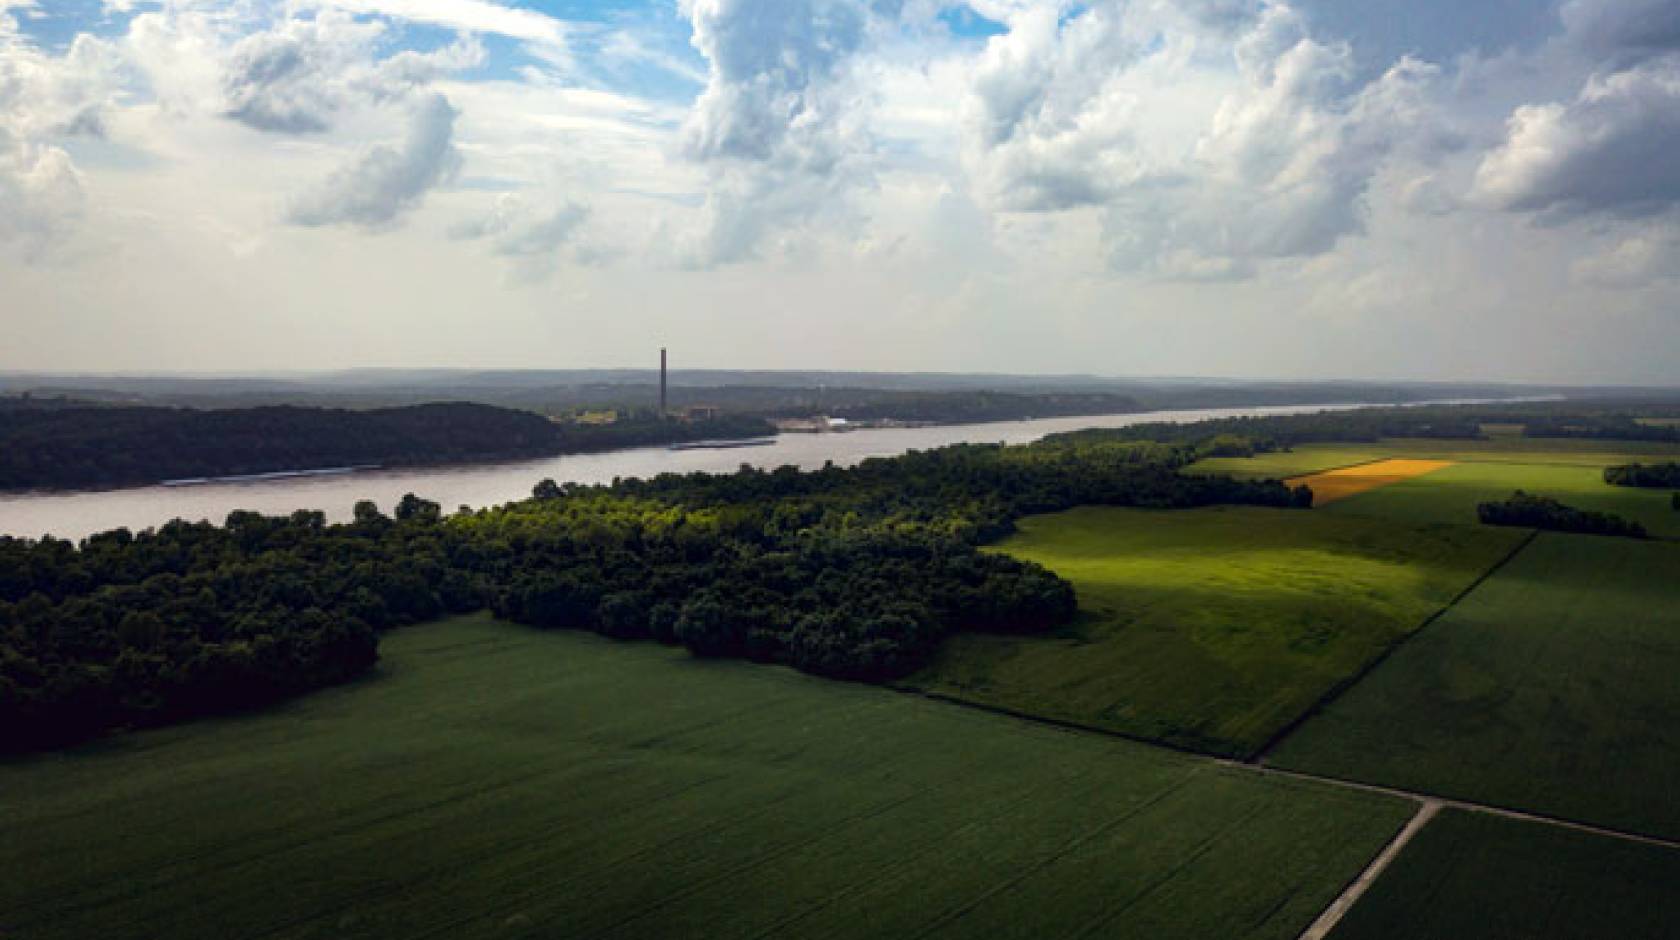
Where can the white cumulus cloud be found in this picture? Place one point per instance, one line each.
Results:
(780, 123)
(1611, 150)
(1211, 136)
(381, 184)
(529, 236)
(44, 100)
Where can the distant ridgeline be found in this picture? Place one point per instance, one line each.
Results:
(69, 447)
(1608, 420)
(964, 407)
(906, 396)
(855, 573)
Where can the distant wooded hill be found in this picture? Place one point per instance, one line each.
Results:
(1650, 419)
(70, 447)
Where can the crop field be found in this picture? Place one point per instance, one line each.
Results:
(496, 781)
(1313, 458)
(1551, 688)
(1451, 495)
(1212, 629)
(1480, 471)
(1332, 485)
(1483, 877)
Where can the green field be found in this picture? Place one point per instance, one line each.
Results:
(1451, 494)
(1212, 628)
(1479, 877)
(1487, 471)
(494, 781)
(1311, 458)
(1552, 687)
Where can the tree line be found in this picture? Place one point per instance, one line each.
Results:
(854, 573)
(1543, 512)
(1605, 420)
(1655, 476)
(1614, 427)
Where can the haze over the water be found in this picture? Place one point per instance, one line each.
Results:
(1419, 189)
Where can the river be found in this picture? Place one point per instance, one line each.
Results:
(79, 514)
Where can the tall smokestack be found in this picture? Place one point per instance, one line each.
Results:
(662, 411)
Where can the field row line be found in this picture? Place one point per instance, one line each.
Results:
(1447, 802)
(1250, 766)
(1341, 688)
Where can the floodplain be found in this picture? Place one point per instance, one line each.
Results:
(491, 780)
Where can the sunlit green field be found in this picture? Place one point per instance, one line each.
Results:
(1311, 458)
(495, 781)
(1552, 687)
(1214, 628)
(1484, 878)
(1490, 470)
(1451, 494)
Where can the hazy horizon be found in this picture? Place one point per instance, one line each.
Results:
(1231, 189)
(394, 374)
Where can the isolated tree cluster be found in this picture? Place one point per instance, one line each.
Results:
(1543, 512)
(1655, 476)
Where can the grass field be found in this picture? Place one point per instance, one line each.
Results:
(1481, 471)
(495, 781)
(1212, 628)
(1481, 877)
(1551, 687)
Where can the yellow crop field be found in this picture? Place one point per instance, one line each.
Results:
(1332, 485)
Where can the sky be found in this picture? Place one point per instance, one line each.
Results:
(1388, 189)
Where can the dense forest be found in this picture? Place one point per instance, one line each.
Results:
(46, 446)
(1543, 512)
(855, 573)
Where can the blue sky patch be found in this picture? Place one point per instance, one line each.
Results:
(963, 22)
(54, 24)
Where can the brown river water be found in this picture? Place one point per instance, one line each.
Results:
(74, 515)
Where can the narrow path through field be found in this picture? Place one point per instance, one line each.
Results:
(1338, 908)
(1429, 804)
(1447, 802)
(1252, 766)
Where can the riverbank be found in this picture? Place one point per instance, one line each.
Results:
(75, 515)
